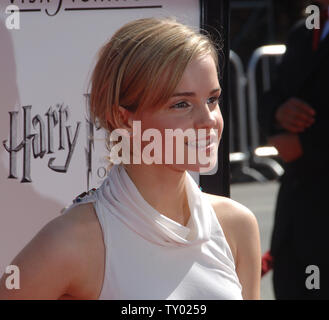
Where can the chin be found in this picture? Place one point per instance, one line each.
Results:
(209, 169)
(205, 162)
(204, 169)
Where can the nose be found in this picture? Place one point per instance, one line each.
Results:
(208, 118)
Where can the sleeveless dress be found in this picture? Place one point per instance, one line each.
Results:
(150, 256)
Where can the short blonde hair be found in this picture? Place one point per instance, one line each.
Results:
(141, 66)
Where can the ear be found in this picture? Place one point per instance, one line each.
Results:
(126, 118)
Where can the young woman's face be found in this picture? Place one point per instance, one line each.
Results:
(193, 106)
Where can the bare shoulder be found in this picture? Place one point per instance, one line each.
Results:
(85, 232)
(236, 220)
(227, 208)
(74, 228)
(79, 219)
(53, 263)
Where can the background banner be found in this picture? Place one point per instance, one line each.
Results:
(47, 53)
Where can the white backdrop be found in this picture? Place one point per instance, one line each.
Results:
(44, 71)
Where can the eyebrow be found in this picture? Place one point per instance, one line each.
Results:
(192, 94)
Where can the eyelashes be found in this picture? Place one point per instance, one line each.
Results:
(214, 99)
(180, 105)
(184, 104)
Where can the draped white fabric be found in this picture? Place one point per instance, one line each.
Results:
(121, 197)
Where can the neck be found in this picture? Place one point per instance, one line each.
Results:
(163, 188)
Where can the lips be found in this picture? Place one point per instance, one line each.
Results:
(198, 143)
(201, 143)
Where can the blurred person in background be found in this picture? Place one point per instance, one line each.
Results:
(293, 115)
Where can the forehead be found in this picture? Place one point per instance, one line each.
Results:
(200, 73)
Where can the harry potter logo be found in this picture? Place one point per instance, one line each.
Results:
(36, 142)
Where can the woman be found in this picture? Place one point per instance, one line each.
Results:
(148, 232)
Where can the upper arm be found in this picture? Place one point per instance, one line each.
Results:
(46, 265)
(248, 262)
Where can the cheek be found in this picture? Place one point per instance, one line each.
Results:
(162, 123)
(153, 126)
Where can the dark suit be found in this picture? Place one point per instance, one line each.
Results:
(301, 227)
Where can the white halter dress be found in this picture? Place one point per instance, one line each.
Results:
(149, 256)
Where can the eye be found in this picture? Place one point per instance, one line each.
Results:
(213, 100)
(180, 105)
